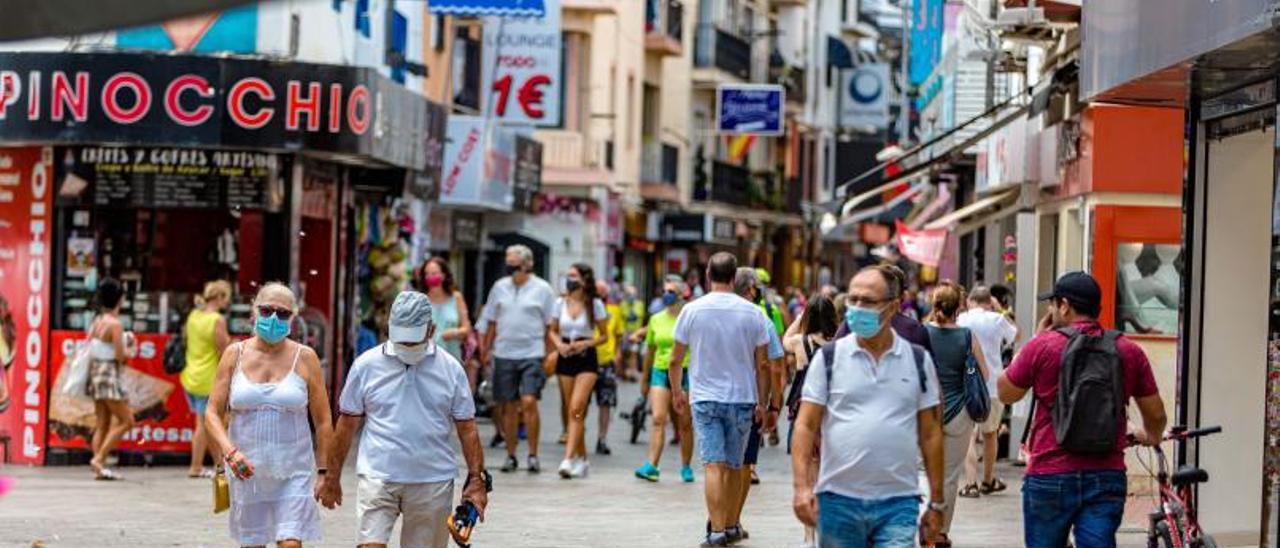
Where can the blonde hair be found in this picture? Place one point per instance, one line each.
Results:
(275, 288)
(217, 289)
(946, 300)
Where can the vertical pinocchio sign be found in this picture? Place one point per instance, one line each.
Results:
(26, 190)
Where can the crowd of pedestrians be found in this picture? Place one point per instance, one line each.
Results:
(895, 400)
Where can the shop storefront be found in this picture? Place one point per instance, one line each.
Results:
(166, 172)
(1228, 351)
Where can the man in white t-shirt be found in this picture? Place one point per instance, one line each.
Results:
(727, 338)
(877, 411)
(994, 330)
(409, 396)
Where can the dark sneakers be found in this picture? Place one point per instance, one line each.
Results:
(511, 465)
(602, 448)
(716, 539)
(736, 534)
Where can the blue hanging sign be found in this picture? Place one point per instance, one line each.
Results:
(481, 8)
(754, 109)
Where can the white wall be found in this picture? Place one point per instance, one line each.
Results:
(1234, 338)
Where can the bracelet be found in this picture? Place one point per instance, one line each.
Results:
(231, 453)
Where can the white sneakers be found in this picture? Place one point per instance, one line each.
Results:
(574, 468)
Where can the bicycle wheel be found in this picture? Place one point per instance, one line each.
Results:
(1164, 536)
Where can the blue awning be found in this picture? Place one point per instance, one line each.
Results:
(479, 8)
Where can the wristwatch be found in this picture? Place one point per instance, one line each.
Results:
(936, 506)
(322, 471)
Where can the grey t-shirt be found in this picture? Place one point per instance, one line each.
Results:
(521, 314)
(870, 441)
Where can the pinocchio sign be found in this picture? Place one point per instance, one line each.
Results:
(187, 100)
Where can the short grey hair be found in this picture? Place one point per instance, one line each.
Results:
(526, 254)
(744, 279)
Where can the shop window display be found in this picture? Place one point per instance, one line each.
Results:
(1148, 278)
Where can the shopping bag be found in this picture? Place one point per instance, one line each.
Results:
(221, 491)
(76, 381)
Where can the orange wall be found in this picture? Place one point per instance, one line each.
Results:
(1127, 149)
(1117, 224)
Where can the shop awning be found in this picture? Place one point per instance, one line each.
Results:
(478, 8)
(984, 210)
(851, 214)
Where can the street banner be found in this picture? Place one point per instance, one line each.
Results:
(164, 422)
(922, 246)
(477, 8)
(865, 100)
(26, 221)
(521, 68)
(477, 175)
(926, 39)
(749, 109)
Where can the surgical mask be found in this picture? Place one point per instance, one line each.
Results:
(511, 269)
(572, 285)
(410, 354)
(863, 322)
(434, 280)
(669, 298)
(271, 328)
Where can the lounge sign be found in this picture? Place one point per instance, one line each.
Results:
(188, 100)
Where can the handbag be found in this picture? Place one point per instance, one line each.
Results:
(221, 491)
(76, 381)
(977, 398)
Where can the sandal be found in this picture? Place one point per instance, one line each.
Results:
(564, 438)
(107, 474)
(970, 491)
(994, 486)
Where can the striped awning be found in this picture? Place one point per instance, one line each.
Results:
(481, 8)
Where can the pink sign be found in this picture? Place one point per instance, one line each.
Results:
(922, 246)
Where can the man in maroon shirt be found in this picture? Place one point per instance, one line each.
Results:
(1064, 491)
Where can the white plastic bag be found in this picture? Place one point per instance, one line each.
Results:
(77, 376)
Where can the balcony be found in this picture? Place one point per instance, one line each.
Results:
(716, 48)
(664, 27)
(659, 171)
(792, 80)
(729, 184)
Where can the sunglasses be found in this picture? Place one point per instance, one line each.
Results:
(265, 311)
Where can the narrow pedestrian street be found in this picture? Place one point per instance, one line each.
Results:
(63, 506)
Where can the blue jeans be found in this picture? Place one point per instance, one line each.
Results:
(1090, 504)
(845, 522)
(721, 431)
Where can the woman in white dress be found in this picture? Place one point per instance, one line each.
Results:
(267, 385)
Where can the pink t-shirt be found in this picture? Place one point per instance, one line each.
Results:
(1037, 366)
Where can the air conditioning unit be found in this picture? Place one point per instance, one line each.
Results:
(1021, 17)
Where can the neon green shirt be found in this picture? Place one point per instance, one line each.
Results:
(661, 337)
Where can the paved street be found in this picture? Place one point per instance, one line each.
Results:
(159, 507)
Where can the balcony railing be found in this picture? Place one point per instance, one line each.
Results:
(723, 50)
(659, 163)
(792, 79)
(730, 184)
(664, 25)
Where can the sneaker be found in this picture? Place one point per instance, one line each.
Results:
(566, 468)
(648, 472)
(716, 539)
(686, 474)
(534, 466)
(602, 448)
(496, 441)
(580, 468)
(511, 465)
(736, 534)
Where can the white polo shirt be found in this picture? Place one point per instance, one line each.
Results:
(870, 443)
(409, 414)
(522, 314)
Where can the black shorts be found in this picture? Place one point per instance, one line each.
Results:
(577, 364)
(753, 444)
(607, 387)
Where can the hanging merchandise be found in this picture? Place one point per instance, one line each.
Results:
(382, 265)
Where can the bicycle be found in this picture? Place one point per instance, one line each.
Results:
(1175, 523)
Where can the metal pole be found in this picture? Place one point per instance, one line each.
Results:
(904, 115)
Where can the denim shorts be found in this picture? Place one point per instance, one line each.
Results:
(721, 431)
(197, 404)
(846, 522)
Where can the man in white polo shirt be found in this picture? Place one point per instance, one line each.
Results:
(409, 396)
(877, 407)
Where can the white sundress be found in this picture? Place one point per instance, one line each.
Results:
(269, 425)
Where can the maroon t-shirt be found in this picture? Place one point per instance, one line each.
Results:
(1037, 365)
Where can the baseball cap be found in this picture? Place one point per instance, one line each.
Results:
(764, 276)
(410, 318)
(1077, 288)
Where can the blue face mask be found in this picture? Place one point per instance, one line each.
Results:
(271, 329)
(669, 298)
(863, 322)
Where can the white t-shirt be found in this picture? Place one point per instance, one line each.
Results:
(993, 330)
(722, 331)
(580, 327)
(409, 413)
(522, 314)
(870, 438)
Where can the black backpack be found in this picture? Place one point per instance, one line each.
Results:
(1089, 410)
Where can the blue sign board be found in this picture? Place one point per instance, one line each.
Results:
(926, 39)
(749, 109)
(496, 8)
(233, 30)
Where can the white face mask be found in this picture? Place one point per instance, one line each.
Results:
(411, 354)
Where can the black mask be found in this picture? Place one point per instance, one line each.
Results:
(572, 285)
(512, 269)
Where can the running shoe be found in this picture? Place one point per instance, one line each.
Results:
(566, 468)
(511, 465)
(648, 472)
(716, 539)
(686, 474)
(534, 466)
(602, 448)
(580, 468)
(736, 534)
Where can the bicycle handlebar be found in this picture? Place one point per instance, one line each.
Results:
(1181, 434)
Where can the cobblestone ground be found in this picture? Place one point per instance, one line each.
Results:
(62, 506)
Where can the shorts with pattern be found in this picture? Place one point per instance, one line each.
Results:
(607, 387)
(105, 380)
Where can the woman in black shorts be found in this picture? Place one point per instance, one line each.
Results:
(578, 325)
